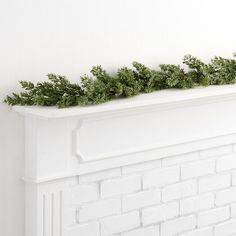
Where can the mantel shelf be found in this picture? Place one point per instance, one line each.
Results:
(158, 98)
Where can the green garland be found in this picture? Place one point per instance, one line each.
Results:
(102, 87)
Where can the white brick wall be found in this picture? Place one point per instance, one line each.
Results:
(234, 178)
(120, 186)
(193, 194)
(226, 196)
(99, 209)
(233, 210)
(84, 193)
(160, 213)
(198, 168)
(213, 216)
(84, 229)
(197, 203)
(178, 225)
(141, 199)
(199, 232)
(226, 163)
(225, 229)
(117, 224)
(179, 190)
(161, 177)
(70, 216)
(146, 231)
(214, 182)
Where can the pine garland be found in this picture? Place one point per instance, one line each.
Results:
(127, 82)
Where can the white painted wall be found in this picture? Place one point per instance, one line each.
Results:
(69, 36)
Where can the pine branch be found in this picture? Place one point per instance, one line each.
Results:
(102, 87)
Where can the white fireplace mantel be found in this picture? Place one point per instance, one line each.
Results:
(61, 144)
(127, 131)
(164, 99)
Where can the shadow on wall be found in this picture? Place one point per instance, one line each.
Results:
(11, 171)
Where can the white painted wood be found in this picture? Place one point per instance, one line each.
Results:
(62, 144)
(47, 143)
(83, 140)
(159, 99)
(128, 134)
(45, 208)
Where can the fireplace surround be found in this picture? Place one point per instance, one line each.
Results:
(162, 164)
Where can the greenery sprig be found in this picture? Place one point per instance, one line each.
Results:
(102, 87)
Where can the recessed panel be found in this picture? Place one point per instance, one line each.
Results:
(121, 135)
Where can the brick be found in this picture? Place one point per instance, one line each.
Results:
(161, 177)
(217, 151)
(178, 225)
(234, 178)
(91, 229)
(99, 209)
(84, 193)
(199, 232)
(180, 159)
(213, 216)
(118, 224)
(70, 218)
(147, 231)
(141, 167)
(141, 199)
(196, 203)
(179, 190)
(101, 175)
(226, 163)
(226, 196)
(233, 210)
(196, 169)
(160, 213)
(225, 229)
(120, 186)
(214, 182)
